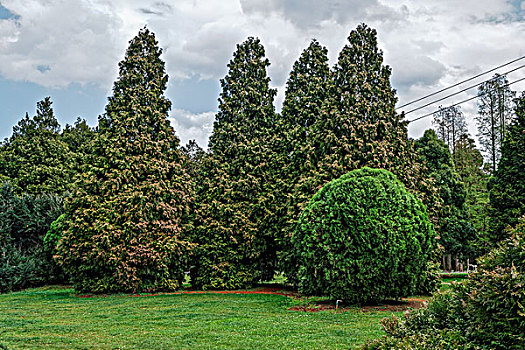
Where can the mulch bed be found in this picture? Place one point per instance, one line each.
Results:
(391, 306)
(259, 290)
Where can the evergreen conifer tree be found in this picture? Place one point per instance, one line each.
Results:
(234, 225)
(507, 188)
(124, 219)
(448, 207)
(468, 162)
(359, 126)
(79, 138)
(307, 89)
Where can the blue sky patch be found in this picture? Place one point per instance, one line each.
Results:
(43, 68)
(6, 14)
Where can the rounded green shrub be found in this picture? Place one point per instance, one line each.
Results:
(364, 238)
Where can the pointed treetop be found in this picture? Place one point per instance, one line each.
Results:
(363, 82)
(246, 99)
(44, 120)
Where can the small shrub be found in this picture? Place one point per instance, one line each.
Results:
(24, 220)
(54, 234)
(22, 269)
(364, 238)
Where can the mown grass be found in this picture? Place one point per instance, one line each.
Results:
(54, 318)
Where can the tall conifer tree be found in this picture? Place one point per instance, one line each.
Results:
(123, 222)
(234, 220)
(360, 126)
(495, 113)
(450, 215)
(354, 122)
(507, 193)
(307, 89)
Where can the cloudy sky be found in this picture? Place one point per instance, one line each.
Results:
(69, 49)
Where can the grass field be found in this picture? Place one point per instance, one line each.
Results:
(54, 318)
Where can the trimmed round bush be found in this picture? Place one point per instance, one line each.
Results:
(364, 238)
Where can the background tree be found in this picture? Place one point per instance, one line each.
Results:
(35, 159)
(507, 187)
(448, 207)
(234, 225)
(194, 155)
(123, 221)
(79, 137)
(24, 220)
(450, 125)
(468, 163)
(495, 112)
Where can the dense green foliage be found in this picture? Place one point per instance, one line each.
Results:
(359, 126)
(507, 193)
(468, 163)
(233, 218)
(35, 159)
(56, 230)
(447, 208)
(485, 312)
(307, 90)
(123, 220)
(24, 220)
(364, 238)
(79, 139)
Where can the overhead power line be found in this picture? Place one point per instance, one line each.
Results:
(461, 102)
(461, 82)
(460, 91)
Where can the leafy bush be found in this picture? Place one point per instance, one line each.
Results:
(54, 234)
(364, 238)
(485, 312)
(24, 220)
(22, 269)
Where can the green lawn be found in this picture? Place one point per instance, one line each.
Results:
(53, 318)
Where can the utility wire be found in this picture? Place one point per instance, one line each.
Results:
(461, 82)
(460, 91)
(461, 102)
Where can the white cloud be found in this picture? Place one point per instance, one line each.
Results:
(192, 126)
(428, 44)
(75, 40)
